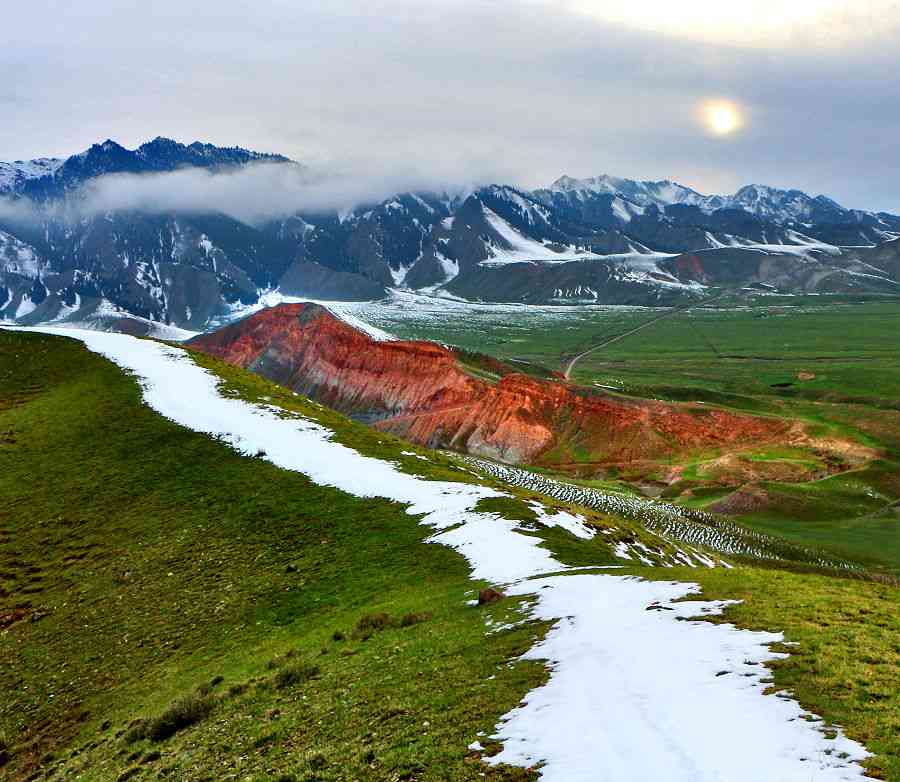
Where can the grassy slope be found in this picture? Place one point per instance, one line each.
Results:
(732, 356)
(101, 500)
(851, 350)
(161, 561)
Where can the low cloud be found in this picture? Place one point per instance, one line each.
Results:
(17, 210)
(530, 89)
(252, 194)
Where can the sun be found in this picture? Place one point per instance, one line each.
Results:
(722, 117)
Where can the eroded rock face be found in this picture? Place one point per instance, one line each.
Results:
(421, 391)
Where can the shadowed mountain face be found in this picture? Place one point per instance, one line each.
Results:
(435, 396)
(597, 240)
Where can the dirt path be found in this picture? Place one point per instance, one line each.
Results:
(605, 343)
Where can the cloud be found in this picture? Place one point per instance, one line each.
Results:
(516, 90)
(764, 24)
(17, 210)
(251, 194)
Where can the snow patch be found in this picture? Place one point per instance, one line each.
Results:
(637, 694)
(520, 248)
(26, 307)
(342, 310)
(14, 174)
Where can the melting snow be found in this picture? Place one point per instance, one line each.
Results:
(564, 519)
(633, 693)
(26, 307)
(636, 694)
(521, 248)
(399, 275)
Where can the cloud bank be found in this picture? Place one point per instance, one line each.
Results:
(511, 90)
(251, 194)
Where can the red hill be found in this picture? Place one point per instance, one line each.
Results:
(423, 392)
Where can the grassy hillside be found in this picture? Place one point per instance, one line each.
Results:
(146, 561)
(831, 362)
(171, 609)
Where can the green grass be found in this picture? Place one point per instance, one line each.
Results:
(194, 614)
(152, 560)
(846, 664)
(731, 355)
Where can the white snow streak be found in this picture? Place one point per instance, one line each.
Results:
(342, 310)
(522, 248)
(637, 695)
(633, 693)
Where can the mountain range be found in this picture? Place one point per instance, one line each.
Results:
(596, 240)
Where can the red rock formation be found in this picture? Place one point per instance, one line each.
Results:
(421, 391)
(690, 267)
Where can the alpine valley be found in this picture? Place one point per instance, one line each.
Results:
(599, 481)
(600, 240)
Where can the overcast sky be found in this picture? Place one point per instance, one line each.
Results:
(510, 90)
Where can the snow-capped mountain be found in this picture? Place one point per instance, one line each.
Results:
(640, 193)
(13, 176)
(603, 239)
(781, 207)
(155, 156)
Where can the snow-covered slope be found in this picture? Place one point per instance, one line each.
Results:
(13, 175)
(642, 193)
(17, 257)
(770, 203)
(515, 247)
(570, 242)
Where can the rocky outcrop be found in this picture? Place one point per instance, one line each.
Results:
(423, 392)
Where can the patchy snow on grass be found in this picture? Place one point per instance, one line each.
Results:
(636, 694)
(564, 519)
(633, 693)
(412, 311)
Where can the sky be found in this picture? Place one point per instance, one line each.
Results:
(711, 93)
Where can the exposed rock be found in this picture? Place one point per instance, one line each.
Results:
(422, 392)
(747, 499)
(489, 595)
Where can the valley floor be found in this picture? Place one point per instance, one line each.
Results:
(634, 691)
(828, 361)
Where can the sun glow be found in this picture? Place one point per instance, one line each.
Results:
(722, 117)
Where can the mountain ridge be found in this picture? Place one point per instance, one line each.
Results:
(424, 393)
(109, 157)
(604, 239)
